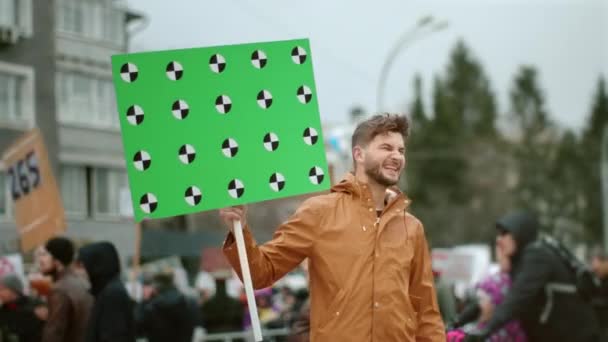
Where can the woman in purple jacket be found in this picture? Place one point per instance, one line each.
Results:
(490, 292)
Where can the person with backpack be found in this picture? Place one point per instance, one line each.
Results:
(543, 296)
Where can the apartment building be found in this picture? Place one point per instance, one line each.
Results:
(55, 74)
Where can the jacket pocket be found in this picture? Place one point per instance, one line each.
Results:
(332, 312)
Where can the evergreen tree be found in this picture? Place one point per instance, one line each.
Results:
(417, 112)
(469, 98)
(592, 145)
(528, 105)
(536, 148)
(453, 181)
(599, 113)
(564, 191)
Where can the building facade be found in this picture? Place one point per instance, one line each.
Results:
(55, 74)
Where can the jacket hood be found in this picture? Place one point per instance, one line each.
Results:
(522, 225)
(101, 261)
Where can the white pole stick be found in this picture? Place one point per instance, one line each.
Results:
(253, 309)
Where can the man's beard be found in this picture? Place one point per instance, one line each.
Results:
(373, 172)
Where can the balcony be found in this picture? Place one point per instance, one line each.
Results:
(90, 31)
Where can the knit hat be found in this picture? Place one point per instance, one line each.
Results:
(12, 282)
(62, 249)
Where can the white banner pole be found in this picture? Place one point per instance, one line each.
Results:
(253, 309)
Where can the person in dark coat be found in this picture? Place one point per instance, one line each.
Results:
(112, 315)
(18, 312)
(543, 296)
(222, 313)
(167, 314)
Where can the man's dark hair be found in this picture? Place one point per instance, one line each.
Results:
(61, 249)
(378, 124)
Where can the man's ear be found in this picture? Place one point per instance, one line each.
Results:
(58, 265)
(358, 154)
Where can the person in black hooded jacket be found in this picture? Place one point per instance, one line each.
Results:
(167, 314)
(112, 314)
(542, 296)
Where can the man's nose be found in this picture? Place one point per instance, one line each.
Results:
(396, 155)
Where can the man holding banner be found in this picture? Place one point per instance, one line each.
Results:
(370, 270)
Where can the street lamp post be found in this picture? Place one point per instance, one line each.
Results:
(405, 40)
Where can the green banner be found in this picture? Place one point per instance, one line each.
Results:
(207, 128)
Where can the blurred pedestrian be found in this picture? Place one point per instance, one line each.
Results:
(300, 328)
(166, 314)
(266, 310)
(69, 301)
(112, 316)
(599, 265)
(299, 323)
(283, 301)
(205, 285)
(543, 296)
(445, 297)
(491, 292)
(18, 312)
(221, 312)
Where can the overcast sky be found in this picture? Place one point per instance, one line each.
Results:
(350, 40)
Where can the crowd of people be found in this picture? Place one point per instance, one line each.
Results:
(224, 305)
(88, 300)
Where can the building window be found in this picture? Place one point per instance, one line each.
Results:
(95, 192)
(17, 14)
(16, 96)
(87, 100)
(71, 17)
(8, 13)
(73, 184)
(98, 21)
(10, 97)
(109, 184)
(113, 24)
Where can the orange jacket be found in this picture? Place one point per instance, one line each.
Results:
(370, 277)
